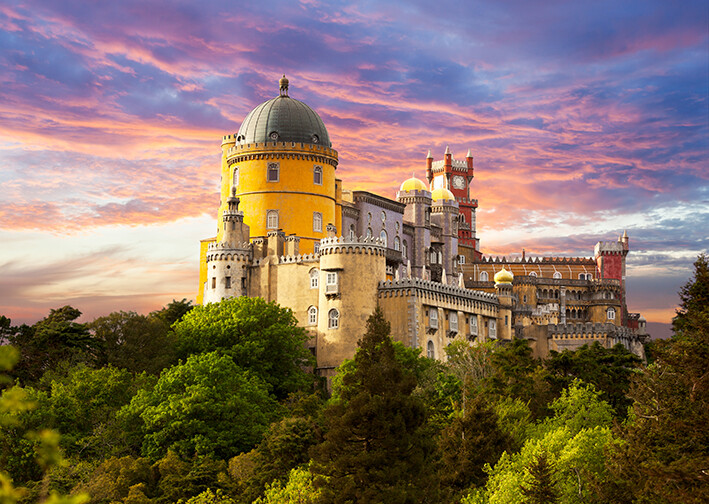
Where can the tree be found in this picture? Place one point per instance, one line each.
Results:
(173, 312)
(472, 440)
(541, 488)
(299, 489)
(55, 339)
(207, 406)
(609, 370)
(135, 342)
(376, 447)
(259, 336)
(664, 453)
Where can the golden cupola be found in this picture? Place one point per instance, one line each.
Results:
(413, 184)
(503, 277)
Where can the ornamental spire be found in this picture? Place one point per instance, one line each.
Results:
(283, 86)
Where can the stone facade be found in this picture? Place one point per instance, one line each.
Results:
(290, 232)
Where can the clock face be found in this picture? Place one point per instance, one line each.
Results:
(459, 182)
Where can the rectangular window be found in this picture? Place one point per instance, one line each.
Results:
(228, 282)
(272, 219)
(461, 259)
(316, 247)
(317, 222)
(493, 329)
(273, 172)
(474, 326)
(454, 322)
(317, 175)
(331, 283)
(433, 318)
(214, 282)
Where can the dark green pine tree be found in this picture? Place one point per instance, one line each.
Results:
(468, 443)
(542, 488)
(375, 448)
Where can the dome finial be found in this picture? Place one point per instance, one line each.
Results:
(283, 86)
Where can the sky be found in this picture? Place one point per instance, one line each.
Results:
(585, 119)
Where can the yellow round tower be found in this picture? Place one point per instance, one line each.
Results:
(283, 168)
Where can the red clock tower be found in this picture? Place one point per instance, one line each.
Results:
(456, 176)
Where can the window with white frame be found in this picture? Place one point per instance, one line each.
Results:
(474, 325)
(384, 216)
(433, 257)
(317, 175)
(333, 319)
(314, 278)
(317, 222)
(556, 275)
(433, 318)
(484, 276)
(312, 316)
(454, 321)
(352, 232)
(430, 350)
(316, 247)
(397, 243)
(493, 329)
(383, 237)
(405, 250)
(461, 259)
(369, 232)
(272, 219)
(273, 172)
(611, 313)
(331, 282)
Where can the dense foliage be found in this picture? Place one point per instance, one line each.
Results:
(218, 405)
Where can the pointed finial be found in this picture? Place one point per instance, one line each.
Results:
(429, 156)
(448, 150)
(625, 234)
(469, 154)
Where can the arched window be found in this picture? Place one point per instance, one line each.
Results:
(272, 219)
(314, 278)
(369, 232)
(397, 243)
(433, 257)
(405, 250)
(430, 350)
(383, 237)
(235, 177)
(352, 232)
(317, 222)
(533, 274)
(462, 217)
(273, 172)
(333, 319)
(556, 275)
(484, 276)
(317, 175)
(611, 313)
(312, 316)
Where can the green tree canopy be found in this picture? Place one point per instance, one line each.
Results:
(207, 406)
(259, 336)
(376, 447)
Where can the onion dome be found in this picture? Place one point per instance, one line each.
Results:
(503, 277)
(442, 194)
(413, 184)
(283, 119)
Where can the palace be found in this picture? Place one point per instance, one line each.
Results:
(289, 231)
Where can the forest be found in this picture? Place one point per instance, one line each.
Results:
(217, 404)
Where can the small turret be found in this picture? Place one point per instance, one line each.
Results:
(429, 167)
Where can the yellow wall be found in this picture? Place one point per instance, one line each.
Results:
(203, 244)
(295, 196)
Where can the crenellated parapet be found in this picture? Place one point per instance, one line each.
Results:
(436, 290)
(299, 259)
(281, 150)
(538, 260)
(347, 245)
(610, 248)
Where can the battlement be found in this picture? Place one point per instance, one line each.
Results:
(437, 289)
(294, 149)
(300, 258)
(538, 260)
(347, 245)
(223, 246)
(609, 248)
(455, 164)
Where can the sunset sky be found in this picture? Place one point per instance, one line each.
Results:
(584, 118)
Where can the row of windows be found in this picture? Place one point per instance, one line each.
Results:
(272, 220)
(333, 317)
(273, 174)
(452, 318)
(331, 279)
(485, 277)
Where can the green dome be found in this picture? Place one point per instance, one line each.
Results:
(283, 119)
